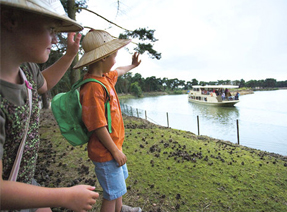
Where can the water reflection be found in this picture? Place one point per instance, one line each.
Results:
(216, 114)
(262, 122)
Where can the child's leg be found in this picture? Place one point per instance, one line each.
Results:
(119, 204)
(108, 205)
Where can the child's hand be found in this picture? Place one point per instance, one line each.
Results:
(120, 157)
(81, 198)
(73, 43)
(135, 59)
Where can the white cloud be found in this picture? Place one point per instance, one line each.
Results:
(204, 39)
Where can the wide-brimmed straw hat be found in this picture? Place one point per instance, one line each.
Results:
(49, 8)
(97, 45)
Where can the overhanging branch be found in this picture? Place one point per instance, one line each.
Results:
(82, 8)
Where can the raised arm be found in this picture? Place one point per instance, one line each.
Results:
(135, 62)
(56, 71)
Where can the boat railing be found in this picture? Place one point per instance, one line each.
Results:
(219, 98)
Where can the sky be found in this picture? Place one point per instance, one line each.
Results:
(208, 40)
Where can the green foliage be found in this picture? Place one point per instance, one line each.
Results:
(136, 89)
(142, 48)
(144, 35)
(141, 33)
(172, 86)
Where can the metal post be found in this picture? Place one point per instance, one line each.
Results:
(167, 119)
(145, 115)
(131, 111)
(137, 113)
(237, 124)
(198, 124)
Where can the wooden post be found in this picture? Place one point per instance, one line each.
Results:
(145, 115)
(237, 124)
(198, 125)
(167, 119)
(131, 111)
(137, 113)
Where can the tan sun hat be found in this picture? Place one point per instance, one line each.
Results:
(50, 8)
(97, 45)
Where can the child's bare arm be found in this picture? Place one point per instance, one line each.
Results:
(107, 141)
(135, 62)
(15, 195)
(56, 71)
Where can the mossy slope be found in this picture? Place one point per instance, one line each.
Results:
(173, 170)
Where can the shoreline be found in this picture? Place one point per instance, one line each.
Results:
(233, 92)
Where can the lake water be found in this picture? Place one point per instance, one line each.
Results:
(262, 118)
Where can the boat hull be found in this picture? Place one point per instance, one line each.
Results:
(229, 103)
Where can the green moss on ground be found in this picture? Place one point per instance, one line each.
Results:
(173, 170)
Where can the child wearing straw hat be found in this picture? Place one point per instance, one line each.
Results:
(27, 35)
(104, 148)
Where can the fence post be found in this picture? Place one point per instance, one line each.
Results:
(137, 113)
(167, 119)
(145, 115)
(237, 124)
(131, 111)
(198, 125)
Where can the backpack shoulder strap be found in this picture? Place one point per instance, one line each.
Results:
(107, 103)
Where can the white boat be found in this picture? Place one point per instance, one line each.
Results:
(214, 95)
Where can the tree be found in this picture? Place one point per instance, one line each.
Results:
(188, 85)
(203, 83)
(270, 83)
(72, 7)
(242, 83)
(251, 83)
(143, 35)
(194, 82)
(136, 89)
(138, 78)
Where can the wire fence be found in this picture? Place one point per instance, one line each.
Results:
(246, 133)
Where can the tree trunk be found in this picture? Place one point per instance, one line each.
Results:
(75, 74)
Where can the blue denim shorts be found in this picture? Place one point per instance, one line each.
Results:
(112, 178)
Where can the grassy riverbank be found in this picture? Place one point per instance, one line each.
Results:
(173, 170)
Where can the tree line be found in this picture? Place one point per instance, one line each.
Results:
(136, 84)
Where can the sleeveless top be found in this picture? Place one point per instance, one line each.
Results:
(15, 122)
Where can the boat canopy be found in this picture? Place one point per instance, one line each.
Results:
(215, 86)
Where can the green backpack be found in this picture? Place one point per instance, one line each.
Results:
(67, 111)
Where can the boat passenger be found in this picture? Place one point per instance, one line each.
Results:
(237, 96)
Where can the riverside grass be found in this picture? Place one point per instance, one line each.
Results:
(172, 170)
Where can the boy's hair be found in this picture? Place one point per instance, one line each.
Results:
(52, 9)
(97, 45)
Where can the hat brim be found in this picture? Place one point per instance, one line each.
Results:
(65, 24)
(101, 52)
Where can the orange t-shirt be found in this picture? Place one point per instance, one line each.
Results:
(93, 97)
